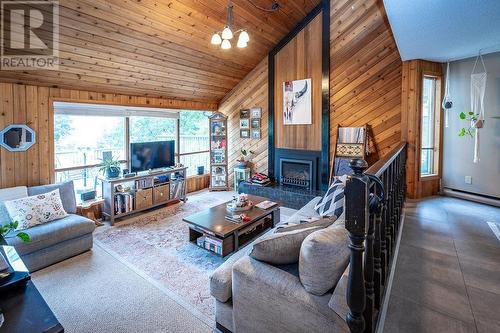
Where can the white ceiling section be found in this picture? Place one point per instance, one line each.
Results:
(443, 30)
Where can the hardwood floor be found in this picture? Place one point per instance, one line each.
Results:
(447, 276)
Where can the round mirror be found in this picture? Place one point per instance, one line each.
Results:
(17, 137)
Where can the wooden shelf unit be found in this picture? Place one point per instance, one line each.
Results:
(218, 153)
(144, 198)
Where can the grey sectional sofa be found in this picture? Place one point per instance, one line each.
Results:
(253, 296)
(53, 241)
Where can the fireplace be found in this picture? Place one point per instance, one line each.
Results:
(297, 168)
(296, 172)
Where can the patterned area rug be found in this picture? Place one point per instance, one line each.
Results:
(156, 246)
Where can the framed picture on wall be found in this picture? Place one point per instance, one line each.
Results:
(244, 123)
(256, 113)
(255, 124)
(256, 134)
(245, 113)
(297, 102)
(244, 134)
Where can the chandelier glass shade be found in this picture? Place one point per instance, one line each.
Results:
(223, 37)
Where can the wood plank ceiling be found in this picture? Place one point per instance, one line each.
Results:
(160, 48)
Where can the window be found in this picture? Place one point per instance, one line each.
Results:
(79, 144)
(194, 141)
(430, 128)
(82, 135)
(149, 129)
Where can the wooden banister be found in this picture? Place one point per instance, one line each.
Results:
(374, 199)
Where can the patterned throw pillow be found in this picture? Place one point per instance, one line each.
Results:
(332, 204)
(35, 210)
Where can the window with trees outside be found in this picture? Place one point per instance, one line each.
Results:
(430, 126)
(81, 136)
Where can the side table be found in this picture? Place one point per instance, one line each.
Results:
(91, 209)
(240, 175)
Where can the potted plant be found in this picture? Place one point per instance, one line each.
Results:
(110, 167)
(245, 157)
(471, 118)
(9, 230)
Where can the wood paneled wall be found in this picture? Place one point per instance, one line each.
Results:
(251, 92)
(413, 72)
(300, 59)
(32, 105)
(365, 79)
(365, 72)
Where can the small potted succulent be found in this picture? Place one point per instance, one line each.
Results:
(245, 157)
(110, 167)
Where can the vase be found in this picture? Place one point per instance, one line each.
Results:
(113, 172)
(241, 164)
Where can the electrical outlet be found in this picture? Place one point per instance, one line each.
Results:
(468, 179)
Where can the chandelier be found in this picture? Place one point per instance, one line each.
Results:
(223, 38)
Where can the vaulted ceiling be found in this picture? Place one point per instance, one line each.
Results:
(160, 48)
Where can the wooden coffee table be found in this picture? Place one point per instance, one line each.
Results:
(212, 223)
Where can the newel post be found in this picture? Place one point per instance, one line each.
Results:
(356, 223)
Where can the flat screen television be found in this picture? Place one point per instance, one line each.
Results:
(152, 155)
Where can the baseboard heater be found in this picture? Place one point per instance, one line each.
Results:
(488, 200)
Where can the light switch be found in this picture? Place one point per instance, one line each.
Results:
(468, 179)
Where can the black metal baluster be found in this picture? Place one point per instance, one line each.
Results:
(383, 238)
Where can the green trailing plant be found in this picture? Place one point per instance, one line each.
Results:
(9, 230)
(471, 118)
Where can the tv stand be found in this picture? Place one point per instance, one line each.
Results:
(124, 196)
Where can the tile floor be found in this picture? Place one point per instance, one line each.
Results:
(447, 276)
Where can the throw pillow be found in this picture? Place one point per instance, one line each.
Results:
(281, 248)
(35, 210)
(324, 256)
(320, 222)
(332, 204)
(10, 193)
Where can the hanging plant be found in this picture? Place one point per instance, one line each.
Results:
(471, 118)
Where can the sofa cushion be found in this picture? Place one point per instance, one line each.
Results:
(66, 191)
(280, 248)
(332, 204)
(35, 210)
(50, 233)
(324, 255)
(338, 302)
(305, 212)
(11, 193)
(321, 222)
(221, 278)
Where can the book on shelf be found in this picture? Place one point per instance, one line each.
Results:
(209, 244)
(124, 203)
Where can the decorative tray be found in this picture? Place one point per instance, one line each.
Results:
(231, 208)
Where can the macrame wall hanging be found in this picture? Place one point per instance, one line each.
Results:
(447, 103)
(477, 91)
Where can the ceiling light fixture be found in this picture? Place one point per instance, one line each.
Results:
(223, 38)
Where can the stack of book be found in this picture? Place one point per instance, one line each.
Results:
(259, 179)
(210, 244)
(124, 203)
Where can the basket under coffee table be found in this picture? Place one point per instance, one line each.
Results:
(226, 236)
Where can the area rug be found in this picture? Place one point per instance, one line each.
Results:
(156, 246)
